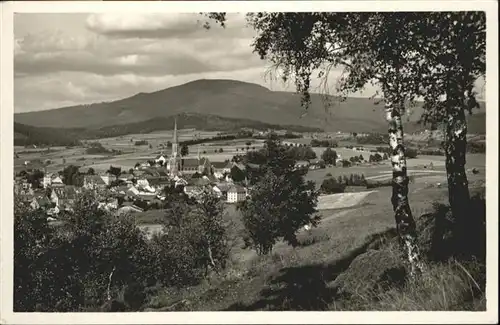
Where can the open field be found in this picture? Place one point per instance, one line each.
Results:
(131, 154)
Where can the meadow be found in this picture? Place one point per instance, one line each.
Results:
(350, 248)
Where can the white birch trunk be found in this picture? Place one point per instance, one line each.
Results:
(109, 282)
(405, 223)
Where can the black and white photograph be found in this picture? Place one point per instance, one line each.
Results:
(249, 158)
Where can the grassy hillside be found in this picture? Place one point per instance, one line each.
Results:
(228, 99)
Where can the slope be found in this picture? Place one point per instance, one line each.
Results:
(224, 98)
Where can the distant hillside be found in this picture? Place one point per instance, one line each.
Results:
(27, 134)
(226, 99)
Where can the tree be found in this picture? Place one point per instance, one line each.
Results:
(91, 171)
(34, 178)
(196, 239)
(329, 156)
(184, 150)
(211, 227)
(115, 170)
(237, 174)
(71, 176)
(369, 46)
(279, 205)
(455, 59)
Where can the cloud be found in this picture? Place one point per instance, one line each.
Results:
(52, 51)
(159, 26)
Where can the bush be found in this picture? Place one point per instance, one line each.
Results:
(324, 143)
(411, 153)
(141, 143)
(96, 148)
(346, 163)
(332, 186)
(476, 147)
(373, 138)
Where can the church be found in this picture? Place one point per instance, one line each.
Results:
(176, 164)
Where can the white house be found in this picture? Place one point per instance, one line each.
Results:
(161, 159)
(236, 193)
(51, 179)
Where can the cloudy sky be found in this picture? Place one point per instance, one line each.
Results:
(67, 59)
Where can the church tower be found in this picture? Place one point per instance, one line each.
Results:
(175, 144)
(174, 163)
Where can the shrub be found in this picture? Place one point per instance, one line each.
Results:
(332, 186)
(411, 153)
(141, 143)
(346, 163)
(476, 147)
(324, 143)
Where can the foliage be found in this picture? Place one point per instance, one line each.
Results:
(373, 138)
(184, 150)
(411, 153)
(237, 175)
(194, 241)
(345, 163)
(82, 254)
(476, 147)
(34, 178)
(72, 176)
(115, 170)
(324, 143)
(375, 158)
(38, 136)
(96, 148)
(302, 153)
(279, 205)
(329, 156)
(141, 143)
(332, 186)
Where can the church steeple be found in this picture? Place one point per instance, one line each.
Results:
(175, 144)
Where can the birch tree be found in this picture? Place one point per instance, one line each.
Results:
(368, 47)
(454, 47)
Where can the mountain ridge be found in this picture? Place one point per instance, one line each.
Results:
(225, 98)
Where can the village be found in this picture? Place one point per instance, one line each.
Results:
(143, 187)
